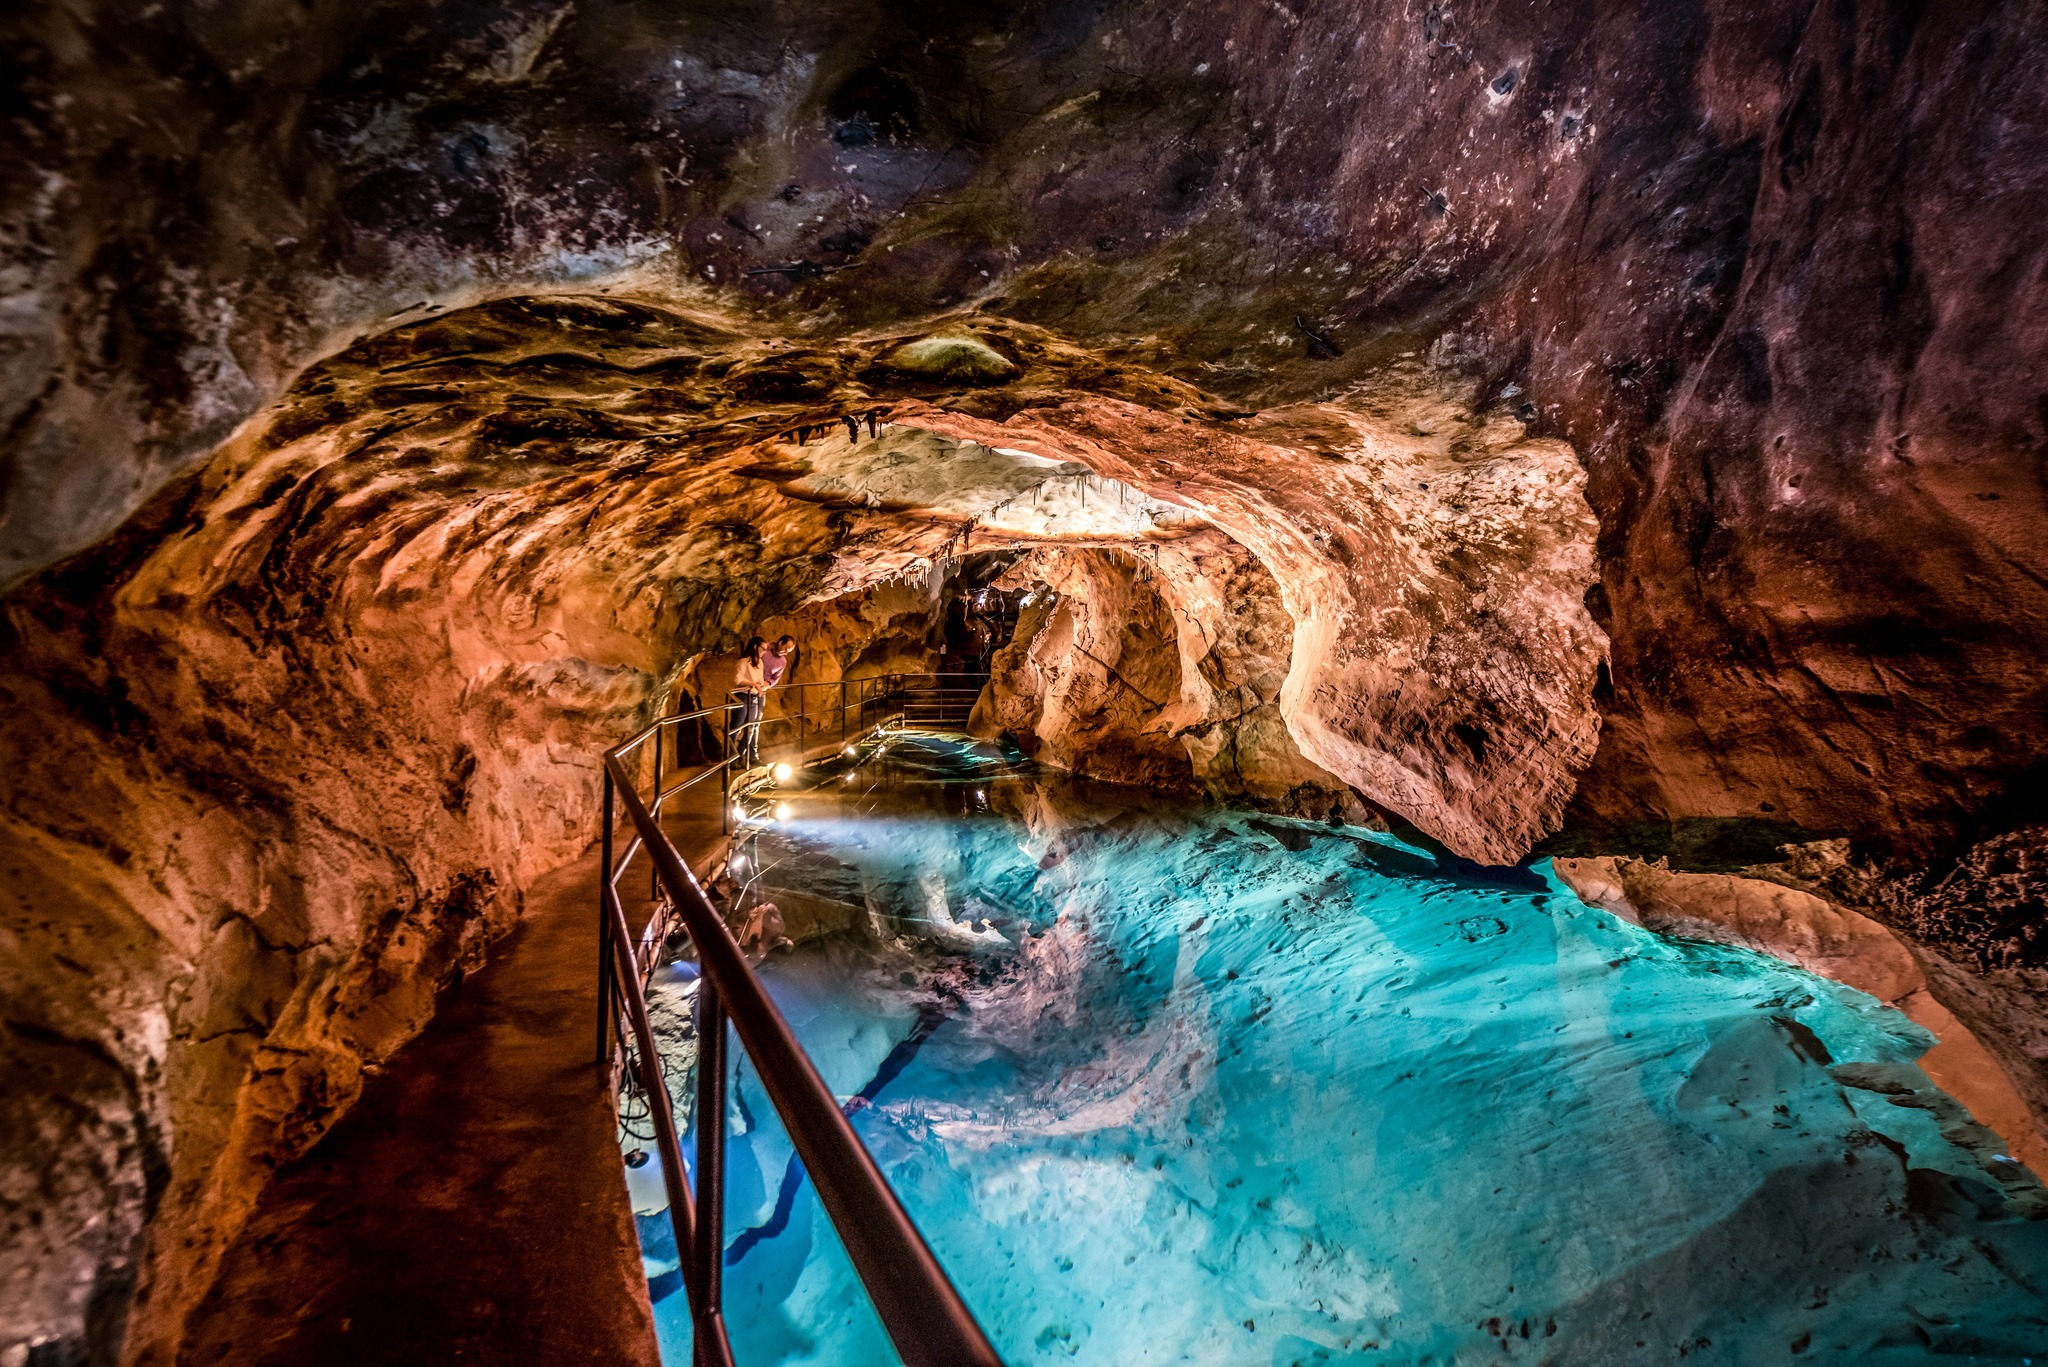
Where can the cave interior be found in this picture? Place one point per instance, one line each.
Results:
(1562, 479)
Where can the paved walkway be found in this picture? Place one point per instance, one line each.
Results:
(471, 1207)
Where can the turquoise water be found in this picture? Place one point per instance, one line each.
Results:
(1173, 1085)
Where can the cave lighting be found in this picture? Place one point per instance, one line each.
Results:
(782, 773)
(782, 811)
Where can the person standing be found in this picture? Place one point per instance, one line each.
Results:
(778, 659)
(750, 685)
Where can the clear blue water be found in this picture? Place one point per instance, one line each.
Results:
(1179, 1085)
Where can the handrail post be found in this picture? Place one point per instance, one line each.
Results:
(604, 933)
(654, 874)
(732, 731)
(708, 1254)
(652, 1081)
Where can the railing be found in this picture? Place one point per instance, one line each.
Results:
(798, 718)
(937, 699)
(924, 1315)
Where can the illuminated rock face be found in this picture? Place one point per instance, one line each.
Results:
(1164, 666)
(1768, 274)
(327, 705)
(1434, 563)
(1506, 346)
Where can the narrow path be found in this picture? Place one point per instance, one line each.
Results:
(471, 1208)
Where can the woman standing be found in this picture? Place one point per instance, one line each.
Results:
(750, 682)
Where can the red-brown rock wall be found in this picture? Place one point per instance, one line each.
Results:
(282, 756)
(1775, 273)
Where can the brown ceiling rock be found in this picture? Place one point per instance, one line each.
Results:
(1434, 562)
(1433, 558)
(324, 588)
(1771, 273)
(1159, 664)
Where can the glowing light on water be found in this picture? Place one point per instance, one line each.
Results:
(1166, 1086)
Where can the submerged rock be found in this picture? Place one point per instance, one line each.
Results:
(1836, 942)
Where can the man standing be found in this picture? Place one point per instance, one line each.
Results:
(776, 662)
(777, 659)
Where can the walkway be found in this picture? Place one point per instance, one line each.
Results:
(471, 1208)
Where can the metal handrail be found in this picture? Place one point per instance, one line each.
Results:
(886, 689)
(920, 1308)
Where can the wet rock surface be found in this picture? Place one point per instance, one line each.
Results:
(2000, 1086)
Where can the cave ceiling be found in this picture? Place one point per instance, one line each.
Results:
(1769, 276)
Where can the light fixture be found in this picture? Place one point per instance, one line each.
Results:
(849, 752)
(782, 811)
(782, 773)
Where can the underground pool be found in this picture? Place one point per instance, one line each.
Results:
(1172, 1083)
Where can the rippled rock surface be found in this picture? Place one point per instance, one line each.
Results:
(1193, 1085)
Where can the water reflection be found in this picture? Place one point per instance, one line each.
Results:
(1165, 1084)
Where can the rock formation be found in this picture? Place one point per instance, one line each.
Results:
(1511, 415)
(1163, 667)
(1769, 274)
(1837, 942)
